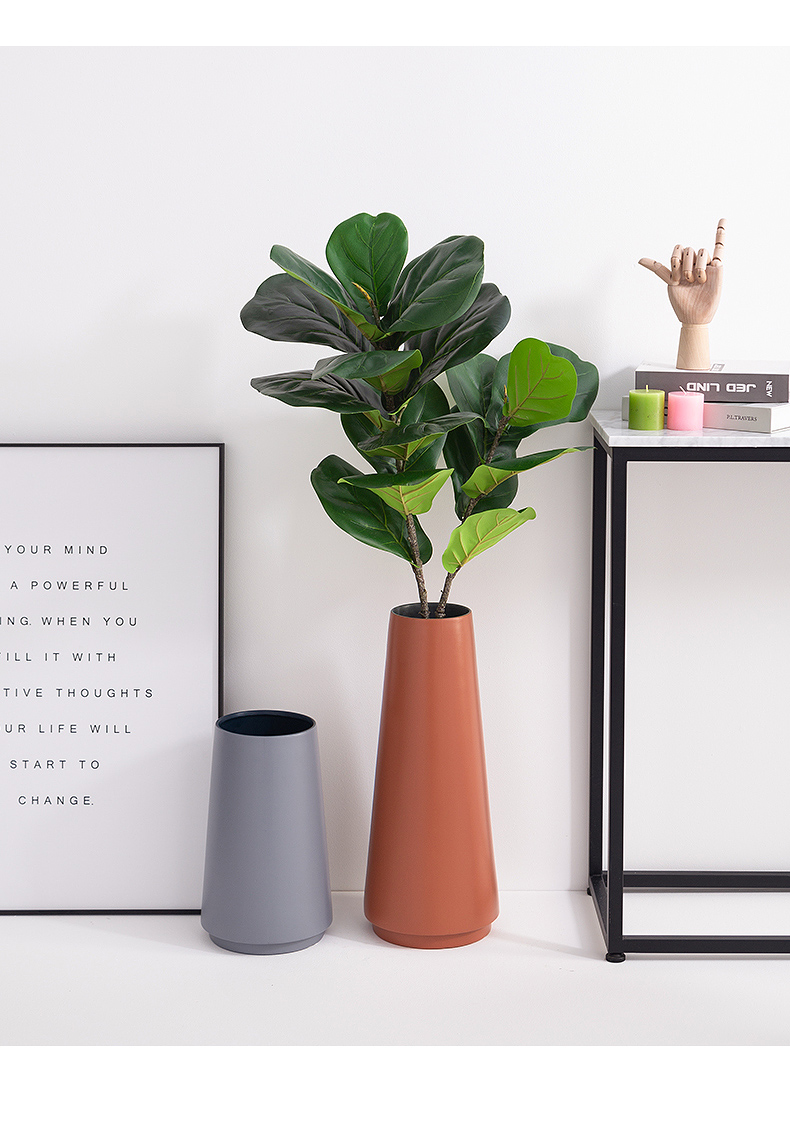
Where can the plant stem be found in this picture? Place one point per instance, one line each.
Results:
(441, 607)
(471, 504)
(414, 547)
(503, 424)
(417, 566)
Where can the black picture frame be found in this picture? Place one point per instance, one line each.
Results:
(154, 513)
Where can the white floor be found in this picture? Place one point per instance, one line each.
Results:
(540, 978)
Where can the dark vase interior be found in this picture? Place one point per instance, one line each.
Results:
(413, 610)
(265, 723)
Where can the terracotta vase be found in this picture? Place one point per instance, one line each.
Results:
(431, 881)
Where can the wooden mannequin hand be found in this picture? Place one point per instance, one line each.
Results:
(694, 280)
(694, 284)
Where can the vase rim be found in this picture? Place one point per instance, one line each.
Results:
(265, 723)
(412, 611)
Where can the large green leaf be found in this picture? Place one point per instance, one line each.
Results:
(386, 369)
(540, 385)
(411, 433)
(366, 253)
(587, 383)
(360, 427)
(470, 384)
(479, 532)
(429, 403)
(322, 282)
(361, 513)
(487, 477)
(302, 389)
(465, 337)
(411, 492)
(409, 453)
(461, 452)
(479, 386)
(426, 404)
(286, 309)
(586, 391)
(437, 287)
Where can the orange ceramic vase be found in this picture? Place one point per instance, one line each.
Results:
(431, 881)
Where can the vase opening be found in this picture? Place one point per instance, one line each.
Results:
(266, 723)
(412, 611)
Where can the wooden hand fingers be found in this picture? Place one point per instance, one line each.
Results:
(703, 259)
(719, 245)
(657, 268)
(675, 262)
(688, 265)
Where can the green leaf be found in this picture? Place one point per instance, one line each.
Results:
(407, 452)
(460, 453)
(540, 386)
(419, 431)
(587, 383)
(286, 309)
(360, 427)
(366, 253)
(470, 383)
(320, 281)
(496, 396)
(586, 391)
(428, 403)
(486, 478)
(479, 532)
(437, 287)
(479, 386)
(461, 340)
(386, 369)
(363, 515)
(411, 492)
(303, 389)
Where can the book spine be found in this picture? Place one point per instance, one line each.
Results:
(751, 390)
(751, 418)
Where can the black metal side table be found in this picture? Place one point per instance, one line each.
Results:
(615, 446)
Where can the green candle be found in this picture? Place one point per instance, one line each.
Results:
(646, 409)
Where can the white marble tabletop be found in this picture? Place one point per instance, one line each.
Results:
(614, 432)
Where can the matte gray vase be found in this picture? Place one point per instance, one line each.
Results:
(266, 881)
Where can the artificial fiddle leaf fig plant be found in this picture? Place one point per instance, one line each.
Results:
(395, 327)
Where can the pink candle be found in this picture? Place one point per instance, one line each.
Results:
(684, 411)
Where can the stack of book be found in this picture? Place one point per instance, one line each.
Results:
(744, 396)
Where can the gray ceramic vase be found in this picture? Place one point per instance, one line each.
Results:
(266, 881)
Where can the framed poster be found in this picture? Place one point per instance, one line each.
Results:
(110, 673)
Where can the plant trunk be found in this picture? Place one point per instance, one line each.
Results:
(417, 566)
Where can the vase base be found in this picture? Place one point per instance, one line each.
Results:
(431, 941)
(279, 947)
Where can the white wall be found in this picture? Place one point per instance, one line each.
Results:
(141, 191)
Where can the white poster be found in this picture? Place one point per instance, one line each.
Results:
(110, 604)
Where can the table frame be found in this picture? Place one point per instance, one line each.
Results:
(608, 882)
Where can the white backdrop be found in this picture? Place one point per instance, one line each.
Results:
(141, 191)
